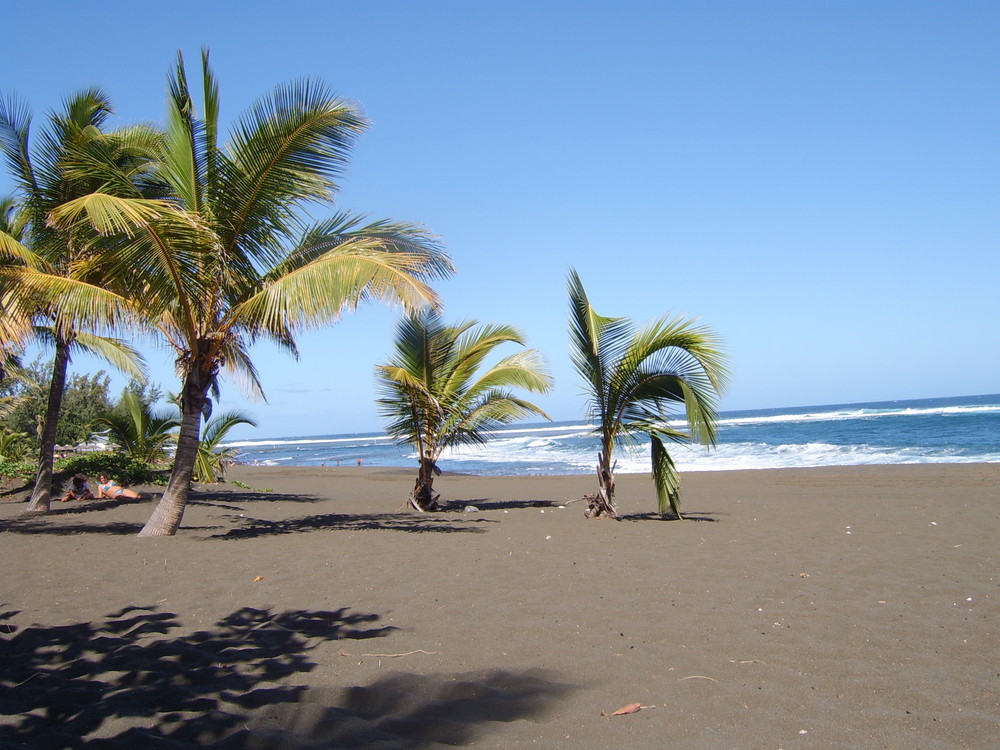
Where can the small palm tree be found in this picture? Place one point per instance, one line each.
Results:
(210, 465)
(435, 397)
(141, 432)
(634, 381)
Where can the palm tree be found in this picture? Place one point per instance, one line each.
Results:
(634, 381)
(141, 432)
(74, 158)
(227, 261)
(15, 309)
(435, 397)
(210, 466)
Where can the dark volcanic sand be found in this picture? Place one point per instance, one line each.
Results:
(822, 608)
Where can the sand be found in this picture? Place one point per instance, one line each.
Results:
(820, 608)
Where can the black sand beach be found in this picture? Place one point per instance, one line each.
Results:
(819, 608)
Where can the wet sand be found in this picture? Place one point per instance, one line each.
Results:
(821, 608)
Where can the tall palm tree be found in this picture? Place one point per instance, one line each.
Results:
(635, 380)
(74, 305)
(435, 397)
(227, 259)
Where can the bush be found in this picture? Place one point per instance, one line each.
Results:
(25, 470)
(118, 466)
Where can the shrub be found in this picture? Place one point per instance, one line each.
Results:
(25, 470)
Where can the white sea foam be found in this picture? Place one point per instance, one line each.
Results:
(357, 440)
(839, 415)
(946, 431)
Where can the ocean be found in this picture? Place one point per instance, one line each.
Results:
(941, 430)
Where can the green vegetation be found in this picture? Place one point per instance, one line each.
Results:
(141, 432)
(85, 401)
(435, 396)
(210, 464)
(634, 381)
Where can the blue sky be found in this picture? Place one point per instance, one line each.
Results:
(819, 182)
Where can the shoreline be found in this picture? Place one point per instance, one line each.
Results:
(835, 607)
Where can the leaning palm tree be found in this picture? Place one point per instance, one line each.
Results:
(72, 303)
(635, 380)
(435, 397)
(227, 259)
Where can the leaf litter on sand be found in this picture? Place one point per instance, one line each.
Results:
(629, 708)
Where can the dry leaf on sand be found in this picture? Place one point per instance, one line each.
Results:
(631, 708)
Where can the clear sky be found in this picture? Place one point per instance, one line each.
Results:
(820, 182)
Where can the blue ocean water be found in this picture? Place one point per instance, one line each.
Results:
(942, 430)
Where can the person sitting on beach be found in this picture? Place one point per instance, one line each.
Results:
(79, 489)
(110, 488)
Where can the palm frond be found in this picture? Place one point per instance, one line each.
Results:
(321, 291)
(665, 477)
(118, 353)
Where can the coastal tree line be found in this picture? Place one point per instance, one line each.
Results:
(207, 246)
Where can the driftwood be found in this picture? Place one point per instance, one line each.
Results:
(603, 503)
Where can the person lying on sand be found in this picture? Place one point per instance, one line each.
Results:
(110, 488)
(79, 490)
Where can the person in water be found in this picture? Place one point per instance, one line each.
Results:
(110, 488)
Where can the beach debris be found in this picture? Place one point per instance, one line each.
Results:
(470, 509)
(629, 708)
(341, 652)
(258, 579)
(548, 537)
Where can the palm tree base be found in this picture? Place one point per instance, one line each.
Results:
(603, 503)
(423, 498)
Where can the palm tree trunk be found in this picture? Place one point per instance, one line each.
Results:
(169, 511)
(603, 503)
(41, 496)
(423, 497)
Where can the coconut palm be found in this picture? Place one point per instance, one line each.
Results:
(210, 466)
(73, 158)
(635, 380)
(435, 397)
(227, 260)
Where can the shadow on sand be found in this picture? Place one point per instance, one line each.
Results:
(129, 682)
(413, 524)
(706, 517)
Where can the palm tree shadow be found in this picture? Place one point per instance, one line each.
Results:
(131, 681)
(43, 526)
(63, 683)
(459, 506)
(414, 524)
(203, 497)
(652, 516)
(405, 711)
